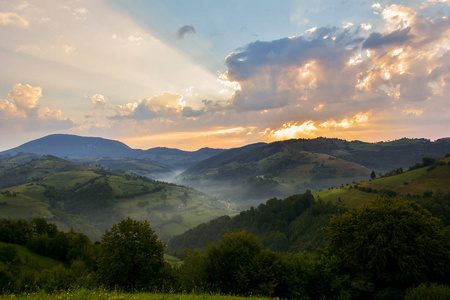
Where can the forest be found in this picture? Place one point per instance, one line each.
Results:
(389, 248)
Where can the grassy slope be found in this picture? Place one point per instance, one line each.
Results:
(413, 182)
(33, 260)
(170, 209)
(28, 203)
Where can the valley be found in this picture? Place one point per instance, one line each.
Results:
(258, 209)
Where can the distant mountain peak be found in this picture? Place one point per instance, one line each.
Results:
(73, 146)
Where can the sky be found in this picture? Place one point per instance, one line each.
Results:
(223, 74)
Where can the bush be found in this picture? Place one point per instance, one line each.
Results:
(432, 291)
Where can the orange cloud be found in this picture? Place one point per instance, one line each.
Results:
(291, 131)
(25, 97)
(311, 128)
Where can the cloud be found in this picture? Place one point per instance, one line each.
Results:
(51, 114)
(98, 101)
(8, 110)
(22, 110)
(308, 84)
(167, 105)
(25, 98)
(13, 19)
(311, 128)
(396, 38)
(184, 30)
(337, 82)
(281, 72)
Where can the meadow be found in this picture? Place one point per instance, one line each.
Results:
(84, 294)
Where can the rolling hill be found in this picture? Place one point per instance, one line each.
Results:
(294, 223)
(90, 199)
(254, 172)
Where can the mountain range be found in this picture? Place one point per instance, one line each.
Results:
(89, 149)
(66, 185)
(247, 174)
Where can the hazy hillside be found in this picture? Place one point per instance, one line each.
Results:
(90, 199)
(178, 159)
(259, 171)
(295, 223)
(157, 162)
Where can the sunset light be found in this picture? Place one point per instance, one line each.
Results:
(126, 72)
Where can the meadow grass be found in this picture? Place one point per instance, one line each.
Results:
(84, 294)
(23, 206)
(346, 197)
(69, 179)
(33, 260)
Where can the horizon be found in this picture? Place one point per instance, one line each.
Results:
(219, 74)
(193, 150)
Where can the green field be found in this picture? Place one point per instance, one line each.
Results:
(106, 295)
(171, 209)
(414, 182)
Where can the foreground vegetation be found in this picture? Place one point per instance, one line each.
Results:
(388, 248)
(84, 294)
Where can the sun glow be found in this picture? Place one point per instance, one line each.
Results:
(291, 130)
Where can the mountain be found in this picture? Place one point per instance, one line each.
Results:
(280, 169)
(178, 159)
(156, 162)
(73, 146)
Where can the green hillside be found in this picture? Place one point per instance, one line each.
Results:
(144, 167)
(27, 167)
(295, 223)
(252, 173)
(30, 259)
(90, 199)
(419, 183)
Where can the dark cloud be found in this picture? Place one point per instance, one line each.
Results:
(396, 38)
(324, 43)
(186, 29)
(188, 112)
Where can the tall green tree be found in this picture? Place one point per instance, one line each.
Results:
(390, 243)
(131, 256)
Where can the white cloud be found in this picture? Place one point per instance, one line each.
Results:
(98, 100)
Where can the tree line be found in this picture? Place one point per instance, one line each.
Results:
(291, 224)
(389, 248)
